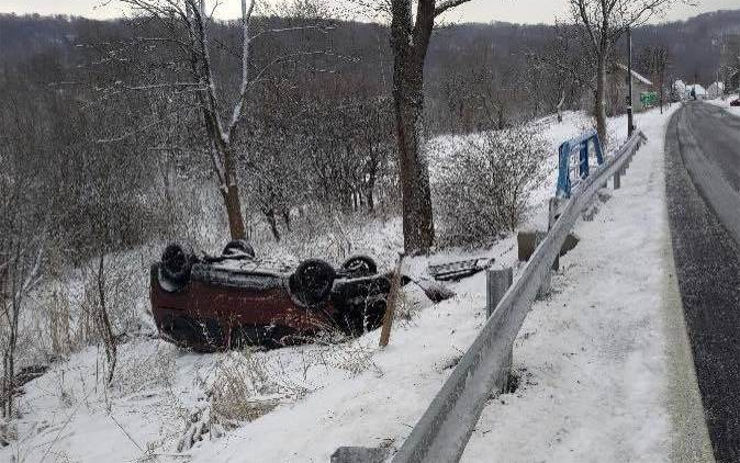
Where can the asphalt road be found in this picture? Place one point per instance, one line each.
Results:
(703, 188)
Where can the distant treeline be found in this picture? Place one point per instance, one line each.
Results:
(86, 120)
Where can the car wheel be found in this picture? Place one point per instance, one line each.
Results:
(177, 261)
(360, 266)
(312, 282)
(239, 249)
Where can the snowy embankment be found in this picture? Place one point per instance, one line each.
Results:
(725, 103)
(605, 364)
(593, 348)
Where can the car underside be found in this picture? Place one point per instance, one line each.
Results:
(215, 303)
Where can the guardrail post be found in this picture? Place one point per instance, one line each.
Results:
(497, 283)
(552, 217)
(617, 181)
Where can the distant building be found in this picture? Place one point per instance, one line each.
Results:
(618, 91)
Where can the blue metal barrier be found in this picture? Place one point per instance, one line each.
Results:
(581, 145)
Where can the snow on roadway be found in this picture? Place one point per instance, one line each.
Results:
(605, 364)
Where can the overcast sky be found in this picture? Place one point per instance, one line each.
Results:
(521, 11)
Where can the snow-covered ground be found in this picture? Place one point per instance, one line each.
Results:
(725, 103)
(593, 358)
(605, 365)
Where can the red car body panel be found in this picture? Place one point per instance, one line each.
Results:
(220, 308)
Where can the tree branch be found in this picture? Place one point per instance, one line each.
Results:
(448, 4)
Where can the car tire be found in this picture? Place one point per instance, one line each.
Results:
(312, 282)
(360, 266)
(239, 249)
(177, 262)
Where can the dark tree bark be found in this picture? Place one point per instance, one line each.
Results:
(410, 41)
(104, 325)
(286, 219)
(272, 220)
(600, 99)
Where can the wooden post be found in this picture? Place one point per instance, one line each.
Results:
(497, 283)
(390, 305)
(617, 181)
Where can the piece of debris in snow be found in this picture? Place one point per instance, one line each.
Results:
(453, 271)
(435, 291)
(359, 455)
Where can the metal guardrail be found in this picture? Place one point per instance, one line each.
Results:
(442, 433)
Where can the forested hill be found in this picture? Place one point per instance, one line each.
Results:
(693, 43)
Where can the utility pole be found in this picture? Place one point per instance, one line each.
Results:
(630, 116)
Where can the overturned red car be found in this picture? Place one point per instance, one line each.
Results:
(213, 303)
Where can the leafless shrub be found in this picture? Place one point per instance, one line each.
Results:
(484, 188)
(58, 318)
(408, 306)
(337, 350)
(355, 358)
(141, 370)
(8, 433)
(246, 386)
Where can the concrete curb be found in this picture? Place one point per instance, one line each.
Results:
(691, 442)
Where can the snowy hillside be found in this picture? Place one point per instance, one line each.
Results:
(305, 401)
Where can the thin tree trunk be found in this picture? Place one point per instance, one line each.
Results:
(272, 220)
(233, 205)
(9, 373)
(106, 331)
(560, 106)
(600, 100)
(286, 218)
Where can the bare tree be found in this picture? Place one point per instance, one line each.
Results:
(222, 127)
(604, 22)
(656, 60)
(22, 231)
(410, 40)
(560, 69)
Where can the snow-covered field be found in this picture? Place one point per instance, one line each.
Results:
(593, 358)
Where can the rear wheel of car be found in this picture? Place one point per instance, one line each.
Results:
(360, 266)
(312, 282)
(239, 249)
(177, 262)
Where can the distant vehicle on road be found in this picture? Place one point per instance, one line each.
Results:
(215, 303)
(735, 103)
